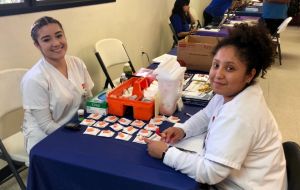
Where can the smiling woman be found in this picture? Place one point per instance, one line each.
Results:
(13, 7)
(242, 146)
(55, 87)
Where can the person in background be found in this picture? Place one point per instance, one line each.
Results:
(243, 146)
(274, 13)
(55, 87)
(182, 19)
(214, 12)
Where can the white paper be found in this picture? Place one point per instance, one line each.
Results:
(209, 30)
(163, 57)
(194, 144)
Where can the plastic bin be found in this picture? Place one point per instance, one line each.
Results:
(117, 104)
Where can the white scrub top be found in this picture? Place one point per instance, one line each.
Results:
(242, 135)
(44, 87)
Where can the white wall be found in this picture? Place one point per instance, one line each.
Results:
(140, 24)
(199, 6)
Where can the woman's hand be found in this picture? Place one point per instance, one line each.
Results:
(156, 148)
(172, 135)
(193, 31)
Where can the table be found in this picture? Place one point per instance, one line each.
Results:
(71, 160)
(222, 33)
(244, 12)
(251, 20)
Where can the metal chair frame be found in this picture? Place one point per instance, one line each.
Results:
(292, 156)
(276, 36)
(175, 37)
(11, 150)
(101, 53)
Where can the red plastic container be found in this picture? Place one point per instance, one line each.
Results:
(117, 104)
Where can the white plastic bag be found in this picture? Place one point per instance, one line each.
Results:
(170, 76)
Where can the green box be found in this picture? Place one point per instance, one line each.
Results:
(97, 104)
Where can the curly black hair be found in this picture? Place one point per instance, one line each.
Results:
(178, 8)
(253, 45)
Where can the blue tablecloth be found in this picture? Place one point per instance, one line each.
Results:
(71, 160)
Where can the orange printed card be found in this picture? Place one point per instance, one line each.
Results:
(106, 133)
(116, 126)
(124, 121)
(145, 133)
(139, 139)
(138, 123)
(88, 122)
(111, 118)
(91, 131)
(101, 124)
(151, 127)
(123, 136)
(95, 116)
(129, 130)
(173, 119)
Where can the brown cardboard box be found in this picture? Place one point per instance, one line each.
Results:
(194, 52)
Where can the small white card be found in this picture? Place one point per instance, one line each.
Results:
(111, 118)
(106, 133)
(88, 122)
(145, 133)
(123, 136)
(124, 121)
(101, 124)
(156, 121)
(173, 119)
(139, 139)
(155, 137)
(95, 116)
(138, 123)
(116, 126)
(129, 130)
(91, 131)
(151, 127)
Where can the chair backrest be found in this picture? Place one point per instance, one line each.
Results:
(111, 52)
(292, 156)
(175, 37)
(10, 96)
(283, 25)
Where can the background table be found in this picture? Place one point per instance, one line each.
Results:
(222, 33)
(244, 12)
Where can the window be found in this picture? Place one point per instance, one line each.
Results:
(12, 7)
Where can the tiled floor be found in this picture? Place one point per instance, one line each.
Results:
(281, 88)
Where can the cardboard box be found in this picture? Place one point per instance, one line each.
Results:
(194, 52)
(97, 104)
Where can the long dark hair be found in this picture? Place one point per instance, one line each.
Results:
(178, 9)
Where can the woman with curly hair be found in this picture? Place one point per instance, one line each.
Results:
(181, 18)
(242, 148)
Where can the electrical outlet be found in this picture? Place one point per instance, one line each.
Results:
(142, 50)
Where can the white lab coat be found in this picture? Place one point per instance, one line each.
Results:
(243, 143)
(44, 87)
